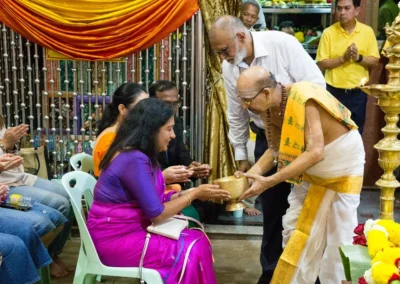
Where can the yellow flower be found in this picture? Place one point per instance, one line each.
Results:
(382, 272)
(393, 229)
(377, 241)
(389, 256)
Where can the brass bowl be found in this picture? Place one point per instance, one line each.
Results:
(235, 186)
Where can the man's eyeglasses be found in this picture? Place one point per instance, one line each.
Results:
(248, 101)
(176, 104)
(226, 50)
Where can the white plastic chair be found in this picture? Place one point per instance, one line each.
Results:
(82, 162)
(89, 264)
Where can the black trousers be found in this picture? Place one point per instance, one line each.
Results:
(355, 100)
(274, 205)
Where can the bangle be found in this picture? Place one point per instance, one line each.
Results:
(340, 60)
(189, 200)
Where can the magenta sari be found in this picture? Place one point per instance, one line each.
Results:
(119, 231)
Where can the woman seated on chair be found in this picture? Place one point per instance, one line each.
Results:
(129, 196)
(125, 97)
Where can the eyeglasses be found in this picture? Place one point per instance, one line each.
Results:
(226, 50)
(271, 80)
(248, 101)
(176, 104)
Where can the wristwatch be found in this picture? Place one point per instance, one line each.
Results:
(360, 58)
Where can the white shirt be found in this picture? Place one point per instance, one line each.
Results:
(281, 54)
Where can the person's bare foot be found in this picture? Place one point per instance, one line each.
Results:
(252, 211)
(63, 265)
(57, 271)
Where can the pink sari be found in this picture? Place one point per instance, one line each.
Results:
(119, 232)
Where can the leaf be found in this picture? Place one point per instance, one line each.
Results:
(356, 261)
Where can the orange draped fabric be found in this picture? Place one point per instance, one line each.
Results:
(96, 29)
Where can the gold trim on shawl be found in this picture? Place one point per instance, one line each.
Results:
(291, 256)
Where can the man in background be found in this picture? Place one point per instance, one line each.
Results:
(346, 51)
(287, 27)
(176, 163)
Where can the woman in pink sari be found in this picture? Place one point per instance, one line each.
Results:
(129, 196)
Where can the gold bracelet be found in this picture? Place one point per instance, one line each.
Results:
(189, 200)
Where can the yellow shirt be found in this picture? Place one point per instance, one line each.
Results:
(334, 42)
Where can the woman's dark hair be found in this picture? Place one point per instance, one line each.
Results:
(126, 94)
(140, 129)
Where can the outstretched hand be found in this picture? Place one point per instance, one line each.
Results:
(258, 186)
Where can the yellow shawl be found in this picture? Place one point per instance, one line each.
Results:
(292, 142)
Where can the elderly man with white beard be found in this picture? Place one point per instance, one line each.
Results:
(284, 56)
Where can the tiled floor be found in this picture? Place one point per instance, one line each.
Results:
(236, 248)
(235, 262)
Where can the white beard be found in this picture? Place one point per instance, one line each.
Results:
(240, 55)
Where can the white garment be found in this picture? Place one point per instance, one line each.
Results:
(285, 57)
(337, 215)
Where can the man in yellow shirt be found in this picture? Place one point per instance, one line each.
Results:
(346, 51)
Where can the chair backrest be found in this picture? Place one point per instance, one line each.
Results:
(83, 182)
(82, 162)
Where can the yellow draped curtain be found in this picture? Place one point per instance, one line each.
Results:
(218, 150)
(96, 29)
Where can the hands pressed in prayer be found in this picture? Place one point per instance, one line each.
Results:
(200, 170)
(353, 51)
(177, 174)
(258, 184)
(14, 134)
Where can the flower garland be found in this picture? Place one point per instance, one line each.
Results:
(382, 237)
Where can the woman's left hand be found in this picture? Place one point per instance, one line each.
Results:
(259, 185)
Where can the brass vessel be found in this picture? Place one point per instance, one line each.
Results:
(389, 101)
(235, 186)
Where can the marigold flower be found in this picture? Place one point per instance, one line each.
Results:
(377, 241)
(382, 272)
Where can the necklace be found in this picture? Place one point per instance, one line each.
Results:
(269, 131)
